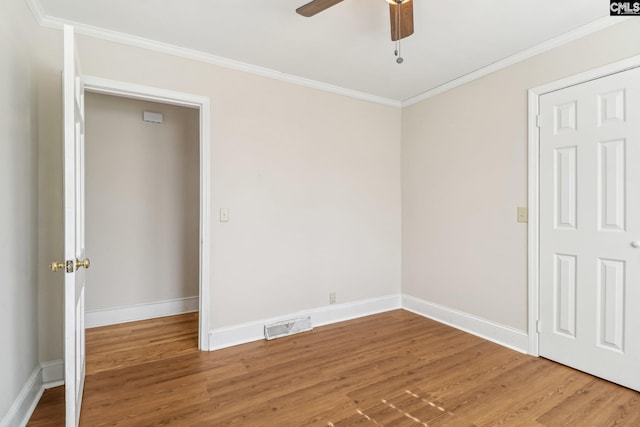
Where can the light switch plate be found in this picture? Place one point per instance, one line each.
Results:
(523, 214)
(224, 214)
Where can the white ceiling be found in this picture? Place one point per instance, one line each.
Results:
(348, 45)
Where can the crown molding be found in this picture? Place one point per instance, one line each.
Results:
(576, 34)
(36, 10)
(169, 49)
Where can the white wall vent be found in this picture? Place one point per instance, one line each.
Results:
(287, 327)
(150, 117)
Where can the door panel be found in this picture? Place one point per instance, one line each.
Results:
(610, 307)
(565, 187)
(589, 219)
(611, 185)
(565, 290)
(74, 343)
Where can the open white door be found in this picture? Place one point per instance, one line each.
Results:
(74, 248)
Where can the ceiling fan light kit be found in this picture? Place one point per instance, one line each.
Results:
(400, 16)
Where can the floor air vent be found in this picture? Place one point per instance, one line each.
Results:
(287, 327)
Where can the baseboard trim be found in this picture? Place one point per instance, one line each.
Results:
(52, 373)
(506, 336)
(500, 334)
(132, 313)
(47, 375)
(24, 405)
(254, 331)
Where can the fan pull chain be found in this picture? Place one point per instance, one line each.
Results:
(398, 52)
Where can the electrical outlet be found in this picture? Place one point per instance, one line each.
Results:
(332, 298)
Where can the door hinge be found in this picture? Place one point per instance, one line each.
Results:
(538, 120)
(538, 326)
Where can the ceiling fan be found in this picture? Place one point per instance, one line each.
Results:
(400, 12)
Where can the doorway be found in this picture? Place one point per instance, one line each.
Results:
(141, 208)
(201, 216)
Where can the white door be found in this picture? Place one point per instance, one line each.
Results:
(590, 227)
(74, 248)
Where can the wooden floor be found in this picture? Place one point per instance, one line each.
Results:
(391, 369)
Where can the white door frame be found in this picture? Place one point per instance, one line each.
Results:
(146, 93)
(534, 180)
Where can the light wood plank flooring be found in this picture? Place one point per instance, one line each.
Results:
(391, 369)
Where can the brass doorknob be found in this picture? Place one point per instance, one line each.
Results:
(86, 263)
(55, 266)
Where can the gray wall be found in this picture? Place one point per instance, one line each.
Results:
(18, 201)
